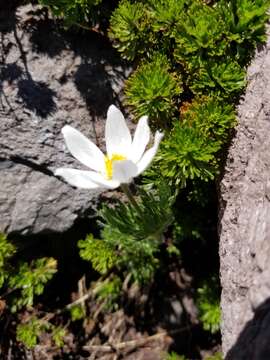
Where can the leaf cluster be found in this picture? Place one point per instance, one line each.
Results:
(208, 302)
(108, 292)
(21, 281)
(98, 252)
(245, 22)
(30, 280)
(29, 332)
(191, 149)
(174, 356)
(205, 49)
(212, 118)
(7, 250)
(130, 24)
(153, 89)
(132, 234)
(77, 312)
(216, 356)
(72, 11)
(149, 219)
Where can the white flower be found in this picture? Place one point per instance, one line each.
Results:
(125, 159)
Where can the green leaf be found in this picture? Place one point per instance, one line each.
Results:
(28, 333)
(77, 312)
(152, 90)
(211, 117)
(30, 280)
(185, 154)
(7, 250)
(208, 302)
(129, 29)
(58, 334)
(109, 291)
(99, 253)
(224, 78)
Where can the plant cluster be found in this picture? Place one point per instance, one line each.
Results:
(29, 332)
(20, 283)
(206, 45)
(208, 305)
(132, 235)
(189, 58)
(184, 50)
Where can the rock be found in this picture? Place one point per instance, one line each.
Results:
(245, 223)
(48, 78)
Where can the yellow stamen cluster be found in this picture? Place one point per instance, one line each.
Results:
(109, 164)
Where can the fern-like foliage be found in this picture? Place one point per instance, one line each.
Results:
(139, 258)
(152, 90)
(101, 254)
(108, 291)
(58, 333)
(30, 281)
(7, 250)
(137, 232)
(131, 235)
(208, 303)
(28, 333)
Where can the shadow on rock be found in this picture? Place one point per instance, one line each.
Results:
(100, 69)
(93, 83)
(8, 15)
(11, 72)
(253, 342)
(45, 36)
(37, 96)
(85, 58)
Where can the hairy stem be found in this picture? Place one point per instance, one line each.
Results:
(131, 198)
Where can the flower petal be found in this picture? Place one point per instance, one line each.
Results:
(149, 154)
(124, 171)
(83, 149)
(141, 139)
(85, 179)
(117, 134)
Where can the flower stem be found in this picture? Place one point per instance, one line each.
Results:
(131, 198)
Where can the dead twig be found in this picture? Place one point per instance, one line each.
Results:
(131, 344)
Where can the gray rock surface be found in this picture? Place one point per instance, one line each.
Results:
(48, 78)
(245, 223)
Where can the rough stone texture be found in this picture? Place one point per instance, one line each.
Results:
(245, 223)
(48, 78)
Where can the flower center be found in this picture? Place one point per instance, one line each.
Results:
(109, 164)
